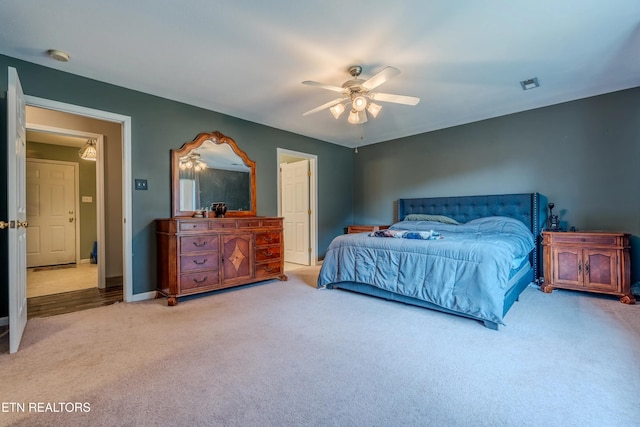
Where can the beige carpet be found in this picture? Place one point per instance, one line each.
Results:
(47, 281)
(287, 354)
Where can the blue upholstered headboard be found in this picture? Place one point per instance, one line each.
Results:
(530, 208)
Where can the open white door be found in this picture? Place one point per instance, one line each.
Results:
(51, 207)
(16, 194)
(295, 210)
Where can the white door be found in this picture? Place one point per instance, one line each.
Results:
(295, 211)
(51, 204)
(16, 195)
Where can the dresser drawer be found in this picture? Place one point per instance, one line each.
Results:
(268, 269)
(267, 238)
(199, 262)
(202, 279)
(193, 225)
(222, 224)
(198, 244)
(272, 223)
(248, 223)
(267, 252)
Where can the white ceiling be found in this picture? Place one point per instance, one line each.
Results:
(247, 58)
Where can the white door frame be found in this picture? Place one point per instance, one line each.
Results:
(76, 201)
(125, 121)
(99, 138)
(283, 154)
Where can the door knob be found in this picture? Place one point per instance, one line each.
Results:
(23, 224)
(70, 219)
(3, 225)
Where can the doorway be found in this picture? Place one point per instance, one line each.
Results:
(112, 136)
(307, 232)
(63, 200)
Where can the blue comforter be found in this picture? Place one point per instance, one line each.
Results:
(466, 271)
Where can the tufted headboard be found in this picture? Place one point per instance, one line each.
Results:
(530, 208)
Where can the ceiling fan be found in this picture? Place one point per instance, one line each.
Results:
(359, 93)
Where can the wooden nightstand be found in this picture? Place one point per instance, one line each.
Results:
(365, 228)
(588, 261)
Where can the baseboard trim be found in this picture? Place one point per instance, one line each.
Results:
(113, 281)
(143, 296)
(4, 321)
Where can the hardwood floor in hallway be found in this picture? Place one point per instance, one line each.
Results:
(67, 302)
(68, 288)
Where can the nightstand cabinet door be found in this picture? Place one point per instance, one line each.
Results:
(600, 271)
(567, 266)
(588, 261)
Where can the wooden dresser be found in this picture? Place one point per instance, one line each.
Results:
(588, 261)
(198, 255)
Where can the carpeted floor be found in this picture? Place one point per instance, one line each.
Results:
(287, 354)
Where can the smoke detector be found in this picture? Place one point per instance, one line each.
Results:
(58, 55)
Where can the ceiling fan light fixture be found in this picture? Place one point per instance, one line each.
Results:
(354, 118)
(374, 109)
(357, 117)
(359, 93)
(359, 103)
(337, 110)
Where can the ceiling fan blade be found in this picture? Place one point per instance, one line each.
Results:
(380, 77)
(398, 99)
(323, 86)
(324, 106)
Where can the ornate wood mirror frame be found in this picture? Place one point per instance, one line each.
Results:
(204, 147)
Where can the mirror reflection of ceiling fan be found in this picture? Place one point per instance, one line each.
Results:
(359, 94)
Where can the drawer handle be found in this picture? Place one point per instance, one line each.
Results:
(267, 253)
(199, 245)
(199, 282)
(268, 269)
(195, 261)
(586, 268)
(580, 267)
(268, 239)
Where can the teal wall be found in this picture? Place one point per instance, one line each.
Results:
(158, 125)
(86, 184)
(583, 155)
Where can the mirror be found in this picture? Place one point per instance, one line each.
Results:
(212, 169)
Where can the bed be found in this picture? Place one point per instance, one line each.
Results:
(470, 256)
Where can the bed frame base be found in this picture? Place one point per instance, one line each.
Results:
(511, 296)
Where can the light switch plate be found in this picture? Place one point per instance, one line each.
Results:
(141, 184)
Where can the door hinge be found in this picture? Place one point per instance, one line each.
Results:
(309, 211)
(309, 174)
(309, 250)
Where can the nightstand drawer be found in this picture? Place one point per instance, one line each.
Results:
(580, 238)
